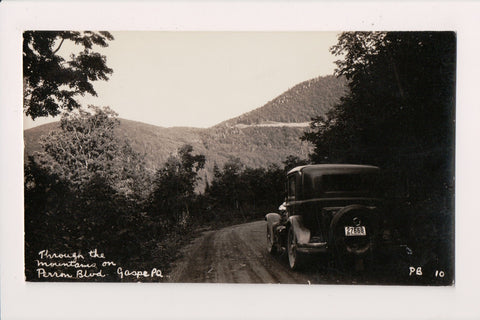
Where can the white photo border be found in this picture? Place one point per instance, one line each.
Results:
(23, 300)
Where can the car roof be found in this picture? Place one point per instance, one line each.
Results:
(333, 168)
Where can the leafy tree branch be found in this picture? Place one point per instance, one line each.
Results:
(52, 82)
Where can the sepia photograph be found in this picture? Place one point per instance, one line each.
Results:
(240, 157)
(239, 160)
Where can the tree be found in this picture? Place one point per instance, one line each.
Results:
(52, 83)
(86, 146)
(292, 161)
(247, 191)
(174, 185)
(399, 115)
(401, 101)
(225, 188)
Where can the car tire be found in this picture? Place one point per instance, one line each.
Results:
(272, 247)
(294, 257)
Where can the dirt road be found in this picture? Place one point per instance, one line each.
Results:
(235, 254)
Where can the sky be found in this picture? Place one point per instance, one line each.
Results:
(199, 79)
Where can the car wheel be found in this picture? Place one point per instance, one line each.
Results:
(294, 257)
(271, 244)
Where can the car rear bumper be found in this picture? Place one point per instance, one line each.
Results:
(312, 247)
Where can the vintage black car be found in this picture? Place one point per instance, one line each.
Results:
(330, 209)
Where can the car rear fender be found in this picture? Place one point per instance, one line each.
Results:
(301, 232)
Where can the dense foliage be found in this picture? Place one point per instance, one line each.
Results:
(401, 102)
(85, 191)
(52, 82)
(86, 146)
(244, 191)
(399, 115)
(174, 186)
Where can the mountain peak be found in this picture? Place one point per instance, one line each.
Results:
(299, 104)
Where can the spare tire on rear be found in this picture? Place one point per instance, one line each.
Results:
(353, 230)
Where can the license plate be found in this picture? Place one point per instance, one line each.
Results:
(355, 231)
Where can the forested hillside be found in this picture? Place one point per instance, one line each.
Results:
(255, 146)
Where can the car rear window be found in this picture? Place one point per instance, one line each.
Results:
(355, 184)
(347, 182)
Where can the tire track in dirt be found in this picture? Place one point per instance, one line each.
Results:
(243, 257)
(273, 267)
(192, 266)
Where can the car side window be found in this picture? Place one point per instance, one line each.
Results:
(291, 187)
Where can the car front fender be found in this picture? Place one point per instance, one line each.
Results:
(301, 232)
(272, 218)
